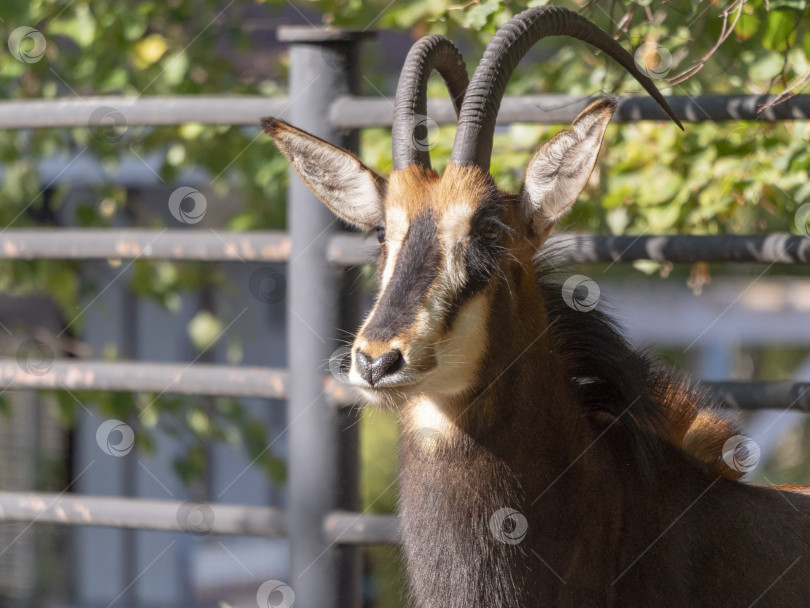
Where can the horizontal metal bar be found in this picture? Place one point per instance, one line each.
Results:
(778, 248)
(358, 529)
(133, 376)
(320, 34)
(194, 517)
(354, 249)
(271, 383)
(122, 112)
(358, 112)
(99, 243)
(169, 515)
(794, 396)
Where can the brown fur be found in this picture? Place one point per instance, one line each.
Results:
(604, 528)
(519, 440)
(609, 469)
(701, 433)
(416, 188)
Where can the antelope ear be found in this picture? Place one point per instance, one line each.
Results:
(559, 170)
(351, 190)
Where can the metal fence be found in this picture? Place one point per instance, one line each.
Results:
(322, 521)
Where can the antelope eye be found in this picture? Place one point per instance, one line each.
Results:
(380, 235)
(490, 232)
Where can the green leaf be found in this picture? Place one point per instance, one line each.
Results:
(648, 267)
(192, 465)
(796, 5)
(175, 69)
(667, 185)
(135, 25)
(149, 50)
(204, 330)
(779, 30)
(479, 15)
(766, 68)
(747, 26)
(88, 215)
(81, 27)
(199, 422)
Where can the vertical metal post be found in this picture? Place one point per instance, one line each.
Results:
(323, 66)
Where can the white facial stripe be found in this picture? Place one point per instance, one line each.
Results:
(454, 230)
(396, 227)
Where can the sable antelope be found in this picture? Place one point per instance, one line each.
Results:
(544, 462)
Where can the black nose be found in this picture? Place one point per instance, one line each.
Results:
(372, 371)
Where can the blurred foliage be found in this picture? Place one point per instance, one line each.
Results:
(120, 47)
(195, 424)
(711, 178)
(379, 441)
(789, 462)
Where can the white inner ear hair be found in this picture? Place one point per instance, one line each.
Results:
(341, 181)
(560, 169)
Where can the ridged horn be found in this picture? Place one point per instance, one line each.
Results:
(476, 124)
(410, 108)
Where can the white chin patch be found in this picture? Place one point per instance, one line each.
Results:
(429, 425)
(372, 396)
(459, 356)
(426, 414)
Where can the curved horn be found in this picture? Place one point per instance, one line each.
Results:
(476, 125)
(427, 54)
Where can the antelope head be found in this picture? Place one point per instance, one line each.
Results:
(455, 251)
